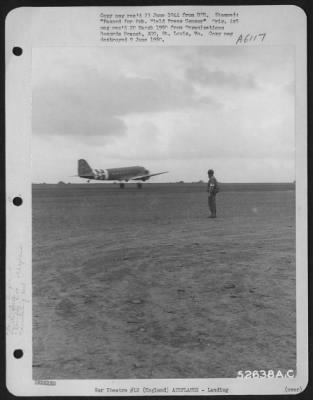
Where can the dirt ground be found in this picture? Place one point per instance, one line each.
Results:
(141, 284)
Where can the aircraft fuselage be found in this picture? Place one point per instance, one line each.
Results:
(136, 173)
(117, 174)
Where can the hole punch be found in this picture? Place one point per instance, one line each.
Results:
(17, 201)
(17, 51)
(18, 353)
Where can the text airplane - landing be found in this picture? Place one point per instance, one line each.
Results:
(126, 174)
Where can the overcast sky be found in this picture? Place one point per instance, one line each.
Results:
(182, 109)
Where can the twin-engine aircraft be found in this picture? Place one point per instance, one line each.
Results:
(126, 174)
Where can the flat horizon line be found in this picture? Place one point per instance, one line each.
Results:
(164, 183)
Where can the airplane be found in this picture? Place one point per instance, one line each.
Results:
(136, 173)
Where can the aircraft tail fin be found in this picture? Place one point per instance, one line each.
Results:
(84, 169)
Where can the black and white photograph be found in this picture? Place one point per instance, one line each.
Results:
(161, 287)
(164, 214)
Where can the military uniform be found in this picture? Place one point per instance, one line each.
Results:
(213, 190)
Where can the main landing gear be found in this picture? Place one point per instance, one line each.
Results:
(122, 185)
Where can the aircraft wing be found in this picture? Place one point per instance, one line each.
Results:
(138, 178)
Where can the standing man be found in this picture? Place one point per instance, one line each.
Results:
(213, 190)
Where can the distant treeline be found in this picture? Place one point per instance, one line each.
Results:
(198, 186)
(252, 187)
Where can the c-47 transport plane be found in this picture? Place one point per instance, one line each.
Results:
(126, 174)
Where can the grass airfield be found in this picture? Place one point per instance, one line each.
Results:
(131, 283)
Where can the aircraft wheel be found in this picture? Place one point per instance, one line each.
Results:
(122, 185)
(139, 185)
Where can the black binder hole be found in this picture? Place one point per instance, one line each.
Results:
(18, 353)
(17, 201)
(17, 51)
